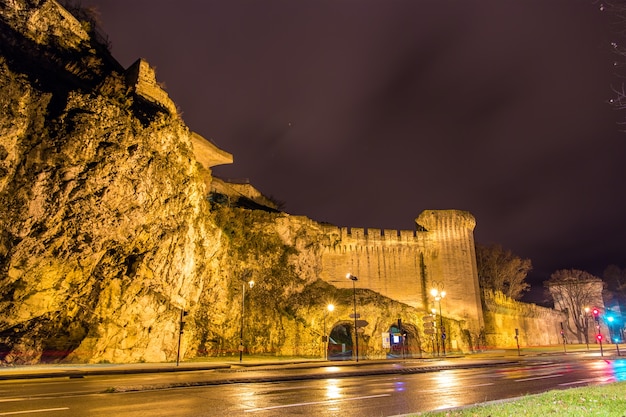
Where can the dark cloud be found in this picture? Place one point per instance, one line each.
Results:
(366, 113)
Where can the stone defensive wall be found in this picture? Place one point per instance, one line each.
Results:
(404, 265)
(535, 325)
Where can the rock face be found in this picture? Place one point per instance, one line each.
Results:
(104, 227)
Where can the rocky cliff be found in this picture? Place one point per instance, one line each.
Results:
(107, 238)
(104, 227)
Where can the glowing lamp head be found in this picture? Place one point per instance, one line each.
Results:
(330, 307)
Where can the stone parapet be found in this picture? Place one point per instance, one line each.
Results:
(142, 79)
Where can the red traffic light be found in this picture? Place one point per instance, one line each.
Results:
(595, 312)
(599, 337)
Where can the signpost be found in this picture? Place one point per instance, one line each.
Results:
(430, 327)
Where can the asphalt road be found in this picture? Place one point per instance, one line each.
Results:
(330, 393)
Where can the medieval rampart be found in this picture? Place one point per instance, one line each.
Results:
(404, 265)
(535, 325)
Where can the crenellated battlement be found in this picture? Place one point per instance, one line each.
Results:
(361, 236)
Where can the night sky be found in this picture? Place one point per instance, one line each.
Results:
(365, 113)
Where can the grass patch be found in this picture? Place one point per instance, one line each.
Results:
(601, 401)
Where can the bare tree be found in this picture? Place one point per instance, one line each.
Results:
(575, 292)
(500, 270)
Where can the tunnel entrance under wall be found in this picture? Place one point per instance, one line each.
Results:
(341, 343)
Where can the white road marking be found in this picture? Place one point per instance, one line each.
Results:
(41, 410)
(538, 377)
(580, 381)
(253, 410)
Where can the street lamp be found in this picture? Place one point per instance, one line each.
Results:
(433, 311)
(587, 327)
(356, 332)
(329, 308)
(243, 311)
(181, 327)
(438, 293)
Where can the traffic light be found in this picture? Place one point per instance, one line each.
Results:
(596, 314)
(599, 337)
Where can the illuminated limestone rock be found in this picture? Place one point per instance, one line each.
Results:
(105, 232)
(48, 23)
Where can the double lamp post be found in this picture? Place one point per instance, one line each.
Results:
(438, 294)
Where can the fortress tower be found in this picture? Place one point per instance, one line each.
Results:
(450, 256)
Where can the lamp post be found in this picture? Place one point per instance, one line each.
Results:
(438, 293)
(181, 327)
(434, 314)
(587, 327)
(329, 308)
(243, 311)
(356, 330)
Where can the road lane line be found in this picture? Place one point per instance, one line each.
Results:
(538, 377)
(580, 381)
(42, 410)
(10, 400)
(253, 410)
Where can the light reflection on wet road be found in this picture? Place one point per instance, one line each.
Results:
(380, 395)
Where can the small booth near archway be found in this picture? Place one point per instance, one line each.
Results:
(402, 341)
